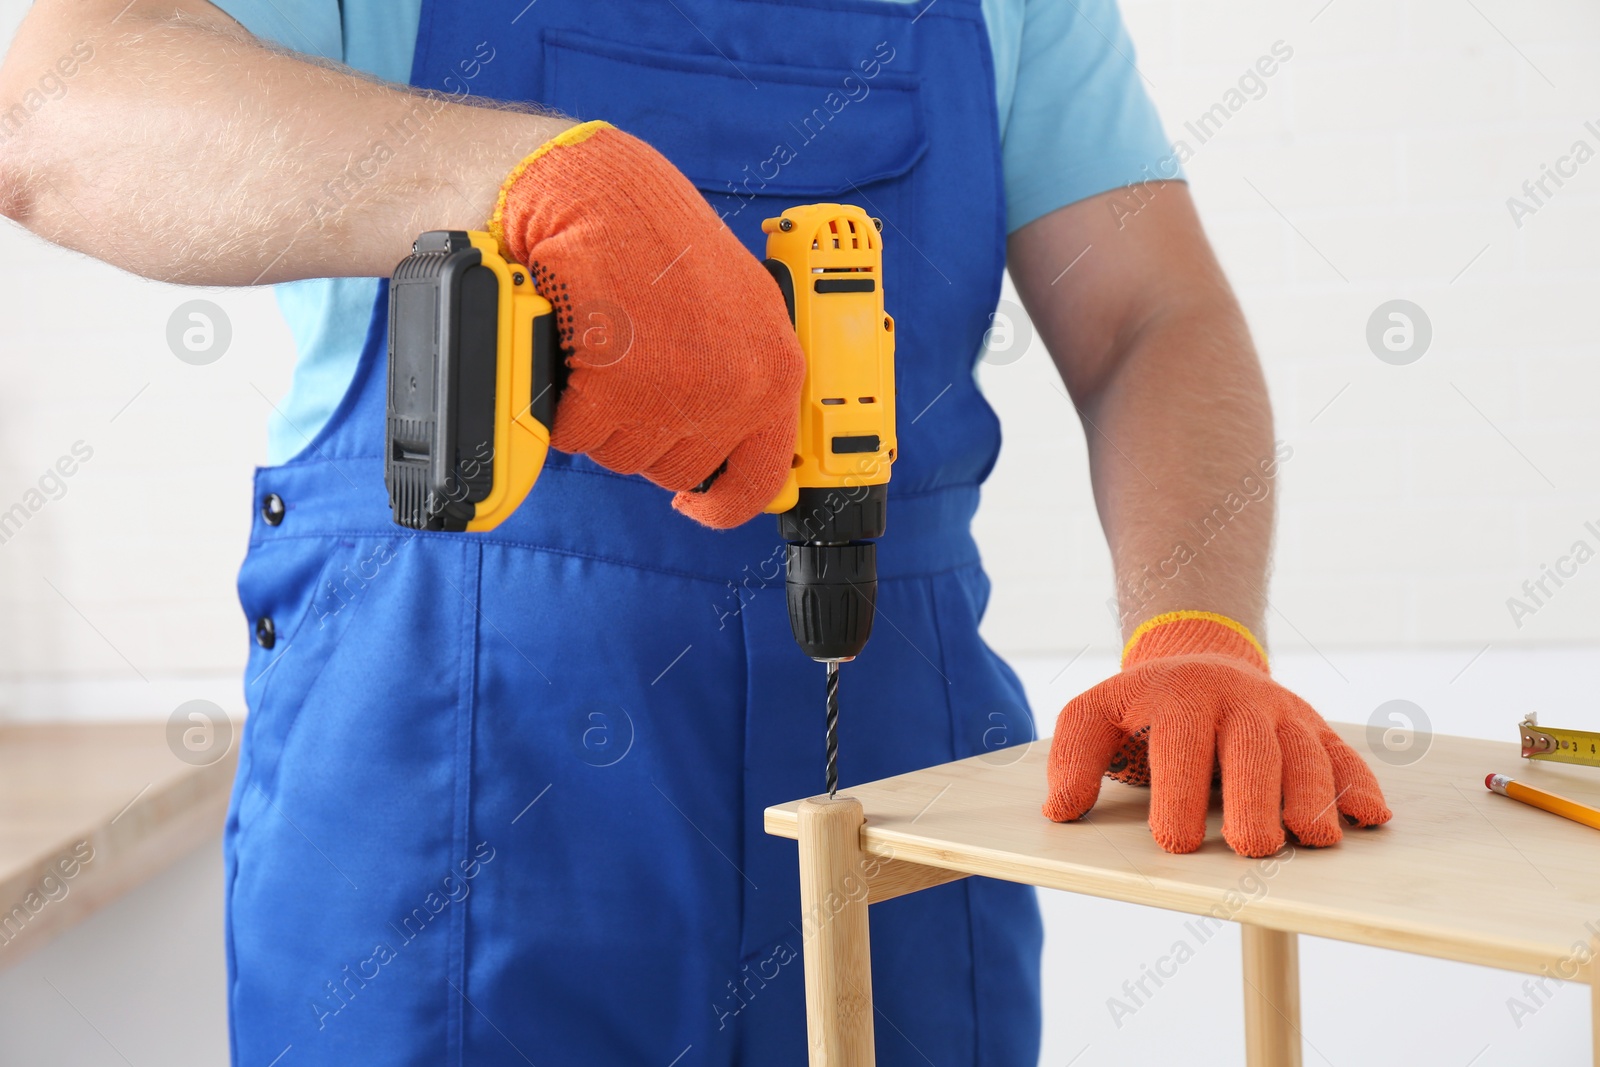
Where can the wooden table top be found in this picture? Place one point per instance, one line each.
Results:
(1459, 873)
(109, 799)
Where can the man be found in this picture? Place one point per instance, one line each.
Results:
(499, 796)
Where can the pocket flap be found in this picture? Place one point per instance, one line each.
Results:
(775, 129)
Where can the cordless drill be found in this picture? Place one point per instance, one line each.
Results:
(828, 261)
(475, 370)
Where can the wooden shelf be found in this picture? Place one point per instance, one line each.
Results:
(1460, 873)
(113, 788)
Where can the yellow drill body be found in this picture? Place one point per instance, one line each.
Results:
(833, 256)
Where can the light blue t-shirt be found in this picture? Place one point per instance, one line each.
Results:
(1074, 121)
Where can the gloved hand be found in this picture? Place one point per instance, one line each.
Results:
(1195, 686)
(681, 352)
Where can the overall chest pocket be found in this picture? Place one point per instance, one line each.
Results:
(755, 138)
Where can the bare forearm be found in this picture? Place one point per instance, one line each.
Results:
(1183, 466)
(183, 149)
(1157, 359)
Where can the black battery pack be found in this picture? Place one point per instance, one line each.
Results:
(443, 351)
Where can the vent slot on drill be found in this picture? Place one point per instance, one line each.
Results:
(841, 234)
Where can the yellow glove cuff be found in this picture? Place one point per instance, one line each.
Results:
(1177, 616)
(571, 136)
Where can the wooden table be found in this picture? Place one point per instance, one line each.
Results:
(1460, 873)
(88, 811)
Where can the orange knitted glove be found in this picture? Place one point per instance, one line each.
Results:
(681, 354)
(1196, 686)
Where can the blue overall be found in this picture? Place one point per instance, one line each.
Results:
(499, 799)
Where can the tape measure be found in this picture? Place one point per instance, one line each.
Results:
(1560, 746)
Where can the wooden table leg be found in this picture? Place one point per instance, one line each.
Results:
(1271, 997)
(1594, 1008)
(833, 904)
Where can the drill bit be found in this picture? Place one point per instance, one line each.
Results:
(833, 726)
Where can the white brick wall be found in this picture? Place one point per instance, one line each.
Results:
(129, 574)
(1391, 141)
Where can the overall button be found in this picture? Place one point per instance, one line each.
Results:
(272, 509)
(266, 632)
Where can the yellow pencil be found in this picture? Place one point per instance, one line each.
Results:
(1567, 809)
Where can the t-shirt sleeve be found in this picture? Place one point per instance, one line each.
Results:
(1080, 121)
(312, 27)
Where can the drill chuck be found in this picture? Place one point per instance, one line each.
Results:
(835, 516)
(832, 568)
(833, 591)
